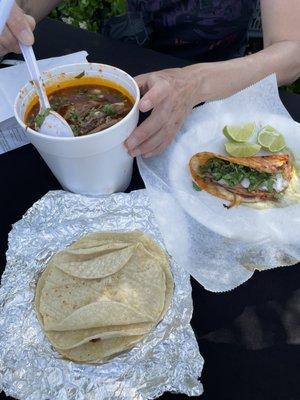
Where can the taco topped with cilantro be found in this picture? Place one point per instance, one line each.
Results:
(242, 179)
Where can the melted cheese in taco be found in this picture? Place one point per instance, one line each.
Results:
(244, 179)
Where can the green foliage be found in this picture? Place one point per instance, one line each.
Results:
(88, 14)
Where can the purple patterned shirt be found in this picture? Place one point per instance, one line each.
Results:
(202, 30)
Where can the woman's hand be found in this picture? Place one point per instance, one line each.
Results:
(19, 27)
(170, 94)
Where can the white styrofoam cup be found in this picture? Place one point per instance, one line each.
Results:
(95, 164)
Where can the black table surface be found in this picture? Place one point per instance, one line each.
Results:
(249, 337)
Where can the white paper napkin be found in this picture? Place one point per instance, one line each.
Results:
(13, 78)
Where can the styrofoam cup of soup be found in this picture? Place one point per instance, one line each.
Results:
(96, 163)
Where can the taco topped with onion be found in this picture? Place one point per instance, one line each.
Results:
(242, 179)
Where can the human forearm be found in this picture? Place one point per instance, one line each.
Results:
(38, 8)
(222, 79)
(171, 94)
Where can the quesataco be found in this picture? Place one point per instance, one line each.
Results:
(242, 179)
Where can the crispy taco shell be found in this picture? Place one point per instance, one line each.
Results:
(271, 164)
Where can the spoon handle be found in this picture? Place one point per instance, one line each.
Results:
(5, 9)
(35, 74)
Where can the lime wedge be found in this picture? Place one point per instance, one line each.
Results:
(239, 133)
(270, 129)
(277, 144)
(242, 149)
(269, 138)
(265, 138)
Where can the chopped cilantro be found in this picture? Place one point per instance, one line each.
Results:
(233, 174)
(57, 102)
(75, 130)
(80, 75)
(74, 115)
(40, 118)
(196, 187)
(278, 196)
(94, 96)
(107, 109)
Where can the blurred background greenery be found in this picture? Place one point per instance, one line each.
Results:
(90, 14)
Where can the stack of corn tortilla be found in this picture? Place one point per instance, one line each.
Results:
(103, 294)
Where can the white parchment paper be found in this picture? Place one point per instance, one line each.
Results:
(219, 247)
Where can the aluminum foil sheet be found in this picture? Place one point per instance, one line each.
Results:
(167, 360)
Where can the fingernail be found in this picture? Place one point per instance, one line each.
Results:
(135, 153)
(127, 145)
(131, 144)
(146, 105)
(26, 37)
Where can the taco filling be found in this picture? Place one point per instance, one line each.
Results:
(238, 180)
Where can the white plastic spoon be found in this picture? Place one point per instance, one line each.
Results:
(5, 9)
(52, 123)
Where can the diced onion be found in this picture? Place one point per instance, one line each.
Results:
(245, 183)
